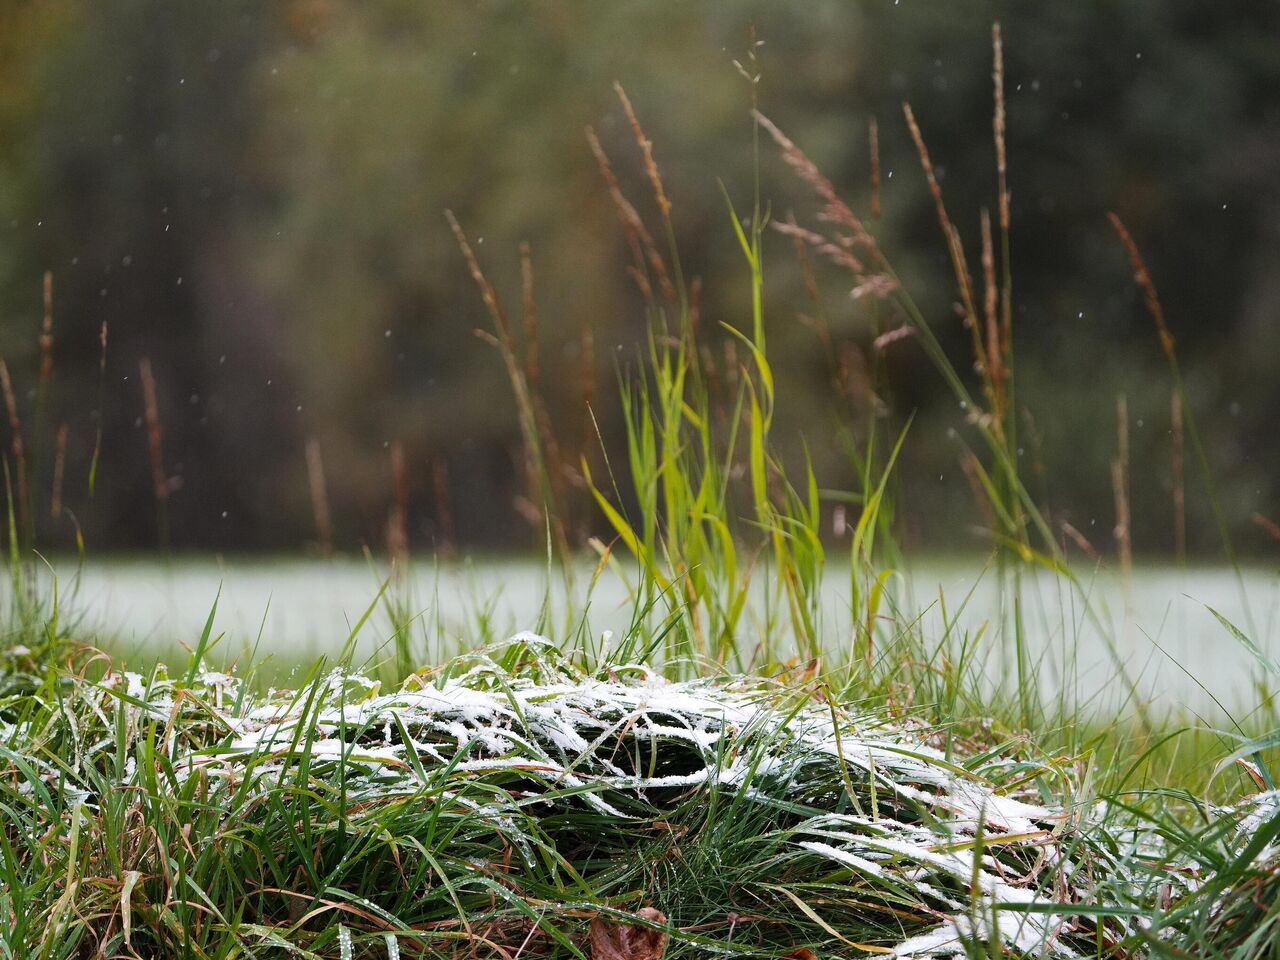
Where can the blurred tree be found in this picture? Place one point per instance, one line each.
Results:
(252, 196)
(136, 180)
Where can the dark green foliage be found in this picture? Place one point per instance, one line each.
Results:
(265, 184)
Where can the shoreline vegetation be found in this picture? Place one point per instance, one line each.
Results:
(733, 774)
(502, 801)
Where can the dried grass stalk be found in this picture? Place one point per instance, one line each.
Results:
(46, 331)
(964, 281)
(15, 432)
(960, 266)
(835, 210)
(995, 365)
(532, 369)
(155, 433)
(1142, 278)
(398, 517)
(541, 453)
(102, 378)
(998, 125)
(319, 497)
(587, 385)
(646, 150)
(644, 251)
(446, 538)
(1266, 525)
(1081, 541)
(59, 468)
(160, 484)
(1120, 488)
(1178, 457)
(873, 147)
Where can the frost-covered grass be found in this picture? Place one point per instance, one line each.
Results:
(499, 803)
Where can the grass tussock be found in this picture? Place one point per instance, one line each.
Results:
(514, 800)
(500, 802)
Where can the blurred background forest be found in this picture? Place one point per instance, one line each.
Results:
(251, 196)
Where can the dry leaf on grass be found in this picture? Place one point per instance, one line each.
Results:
(617, 941)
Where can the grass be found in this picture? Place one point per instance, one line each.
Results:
(503, 800)
(739, 772)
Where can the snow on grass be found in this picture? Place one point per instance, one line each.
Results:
(867, 827)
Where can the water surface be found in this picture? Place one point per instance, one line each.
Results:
(1158, 631)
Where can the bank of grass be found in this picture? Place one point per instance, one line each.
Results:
(734, 774)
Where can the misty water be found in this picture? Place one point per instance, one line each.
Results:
(1161, 628)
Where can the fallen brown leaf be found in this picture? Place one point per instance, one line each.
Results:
(624, 941)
